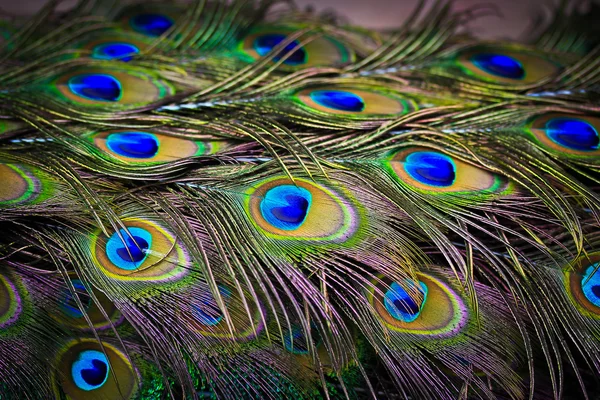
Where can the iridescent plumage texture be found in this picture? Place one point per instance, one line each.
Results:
(244, 200)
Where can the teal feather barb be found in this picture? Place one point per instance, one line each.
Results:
(243, 200)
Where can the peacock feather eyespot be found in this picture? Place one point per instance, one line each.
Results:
(322, 50)
(354, 102)
(590, 284)
(429, 307)
(202, 314)
(144, 250)
(111, 87)
(151, 24)
(568, 135)
(137, 145)
(115, 45)
(401, 305)
(121, 51)
(432, 171)
(128, 249)
(88, 369)
(206, 310)
(505, 65)
(142, 147)
(583, 284)
(286, 206)
(99, 87)
(10, 303)
(69, 304)
(149, 20)
(22, 184)
(75, 317)
(573, 134)
(339, 100)
(301, 210)
(501, 65)
(431, 168)
(264, 44)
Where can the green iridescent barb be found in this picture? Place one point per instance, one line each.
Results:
(243, 200)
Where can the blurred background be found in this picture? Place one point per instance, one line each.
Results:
(512, 19)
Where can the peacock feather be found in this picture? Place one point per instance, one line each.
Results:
(244, 200)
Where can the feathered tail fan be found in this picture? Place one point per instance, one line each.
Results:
(242, 200)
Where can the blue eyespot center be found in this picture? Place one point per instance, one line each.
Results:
(151, 24)
(69, 304)
(431, 168)
(401, 304)
(338, 100)
(266, 43)
(573, 133)
(120, 51)
(591, 287)
(100, 87)
(135, 250)
(286, 206)
(207, 311)
(133, 144)
(499, 64)
(90, 371)
(129, 252)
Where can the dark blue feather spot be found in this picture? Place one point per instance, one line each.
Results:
(69, 302)
(90, 371)
(431, 168)
(133, 144)
(399, 303)
(338, 100)
(499, 64)
(134, 250)
(208, 314)
(206, 310)
(120, 51)
(591, 287)
(573, 133)
(98, 87)
(265, 43)
(295, 210)
(286, 206)
(129, 252)
(151, 24)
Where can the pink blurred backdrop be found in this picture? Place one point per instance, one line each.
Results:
(514, 19)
